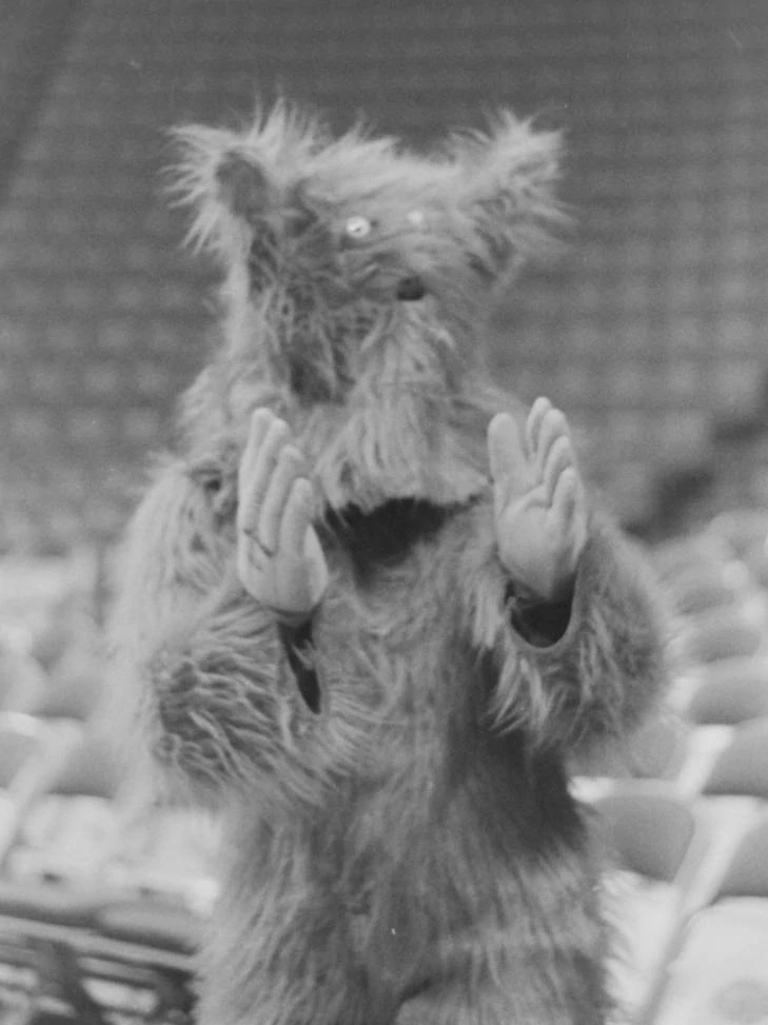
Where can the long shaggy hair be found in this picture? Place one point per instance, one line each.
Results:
(401, 843)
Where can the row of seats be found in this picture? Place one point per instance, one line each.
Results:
(102, 894)
(684, 813)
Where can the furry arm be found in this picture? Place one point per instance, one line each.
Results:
(216, 687)
(576, 672)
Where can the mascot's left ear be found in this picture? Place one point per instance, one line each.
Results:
(506, 188)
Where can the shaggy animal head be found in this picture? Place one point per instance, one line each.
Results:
(332, 246)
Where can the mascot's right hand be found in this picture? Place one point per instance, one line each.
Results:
(279, 558)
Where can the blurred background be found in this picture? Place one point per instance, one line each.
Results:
(649, 331)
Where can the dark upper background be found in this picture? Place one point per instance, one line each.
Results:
(648, 332)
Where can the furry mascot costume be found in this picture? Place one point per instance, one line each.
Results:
(372, 612)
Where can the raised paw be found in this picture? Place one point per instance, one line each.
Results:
(279, 558)
(539, 502)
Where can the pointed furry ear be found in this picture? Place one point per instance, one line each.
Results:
(244, 187)
(231, 178)
(225, 189)
(507, 180)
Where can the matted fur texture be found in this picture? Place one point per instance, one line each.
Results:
(408, 854)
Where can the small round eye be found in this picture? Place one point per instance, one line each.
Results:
(358, 227)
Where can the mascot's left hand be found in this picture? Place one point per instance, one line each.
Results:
(539, 501)
(279, 557)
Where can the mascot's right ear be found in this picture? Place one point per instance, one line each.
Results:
(244, 187)
(227, 189)
(232, 180)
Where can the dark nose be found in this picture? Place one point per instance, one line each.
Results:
(411, 288)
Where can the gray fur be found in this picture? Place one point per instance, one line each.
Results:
(411, 853)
